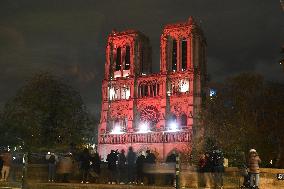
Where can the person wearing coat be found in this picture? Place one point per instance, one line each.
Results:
(253, 164)
(131, 160)
(218, 167)
(52, 160)
(111, 165)
(85, 160)
(121, 163)
(139, 168)
(65, 167)
(170, 178)
(95, 166)
(150, 159)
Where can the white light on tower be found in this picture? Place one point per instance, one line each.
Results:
(143, 128)
(184, 86)
(116, 130)
(127, 93)
(173, 127)
(111, 93)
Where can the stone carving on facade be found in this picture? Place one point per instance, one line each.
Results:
(150, 114)
(180, 107)
(119, 110)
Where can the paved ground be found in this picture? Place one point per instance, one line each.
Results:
(16, 185)
(87, 186)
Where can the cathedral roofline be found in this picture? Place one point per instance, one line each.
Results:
(115, 33)
(189, 22)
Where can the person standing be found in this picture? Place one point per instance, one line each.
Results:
(218, 167)
(7, 161)
(208, 169)
(1, 163)
(121, 166)
(253, 164)
(65, 167)
(170, 177)
(131, 159)
(139, 168)
(151, 160)
(52, 159)
(111, 164)
(95, 165)
(201, 170)
(85, 165)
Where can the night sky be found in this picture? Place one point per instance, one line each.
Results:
(68, 38)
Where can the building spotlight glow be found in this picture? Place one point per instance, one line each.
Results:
(173, 127)
(143, 128)
(116, 130)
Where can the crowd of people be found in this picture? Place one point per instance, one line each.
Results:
(211, 169)
(62, 167)
(129, 167)
(123, 168)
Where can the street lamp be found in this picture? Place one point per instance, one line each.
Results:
(281, 62)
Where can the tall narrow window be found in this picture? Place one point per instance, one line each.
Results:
(127, 58)
(118, 59)
(174, 56)
(158, 88)
(183, 120)
(146, 90)
(110, 67)
(184, 55)
(173, 118)
(154, 90)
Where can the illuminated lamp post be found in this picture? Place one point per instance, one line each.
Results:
(24, 165)
(24, 171)
(281, 62)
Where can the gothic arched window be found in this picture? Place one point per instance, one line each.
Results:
(127, 58)
(183, 54)
(118, 59)
(173, 118)
(174, 56)
(183, 120)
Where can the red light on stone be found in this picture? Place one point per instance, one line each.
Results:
(142, 102)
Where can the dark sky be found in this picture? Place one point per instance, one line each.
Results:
(68, 37)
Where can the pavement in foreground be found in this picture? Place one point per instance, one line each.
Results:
(17, 185)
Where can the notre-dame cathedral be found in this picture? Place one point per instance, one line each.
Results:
(146, 110)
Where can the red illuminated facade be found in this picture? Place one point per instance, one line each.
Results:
(147, 110)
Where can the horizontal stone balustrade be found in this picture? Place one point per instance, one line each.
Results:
(151, 137)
